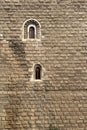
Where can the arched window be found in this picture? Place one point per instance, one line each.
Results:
(31, 29)
(37, 72)
(31, 32)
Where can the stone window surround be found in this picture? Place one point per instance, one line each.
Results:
(31, 24)
(33, 73)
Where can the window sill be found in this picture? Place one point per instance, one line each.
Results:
(31, 40)
(36, 80)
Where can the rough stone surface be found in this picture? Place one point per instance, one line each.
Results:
(60, 98)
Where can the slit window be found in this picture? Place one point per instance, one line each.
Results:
(38, 72)
(31, 32)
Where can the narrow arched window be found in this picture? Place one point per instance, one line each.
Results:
(37, 72)
(31, 32)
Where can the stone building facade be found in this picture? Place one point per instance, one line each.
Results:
(43, 64)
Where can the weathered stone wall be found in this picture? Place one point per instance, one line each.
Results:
(60, 98)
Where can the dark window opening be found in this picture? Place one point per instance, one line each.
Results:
(31, 32)
(38, 72)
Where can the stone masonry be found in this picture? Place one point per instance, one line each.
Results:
(60, 97)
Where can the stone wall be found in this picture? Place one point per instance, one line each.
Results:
(60, 97)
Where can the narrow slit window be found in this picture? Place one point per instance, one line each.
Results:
(31, 32)
(38, 72)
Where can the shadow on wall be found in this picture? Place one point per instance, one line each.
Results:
(15, 86)
(19, 53)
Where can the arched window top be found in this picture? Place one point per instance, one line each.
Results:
(32, 21)
(38, 72)
(31, 29)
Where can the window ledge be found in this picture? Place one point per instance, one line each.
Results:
(36, 80)
(31, 40)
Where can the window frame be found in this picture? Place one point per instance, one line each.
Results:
(25, 30)
(40, 67)
(31, 25)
